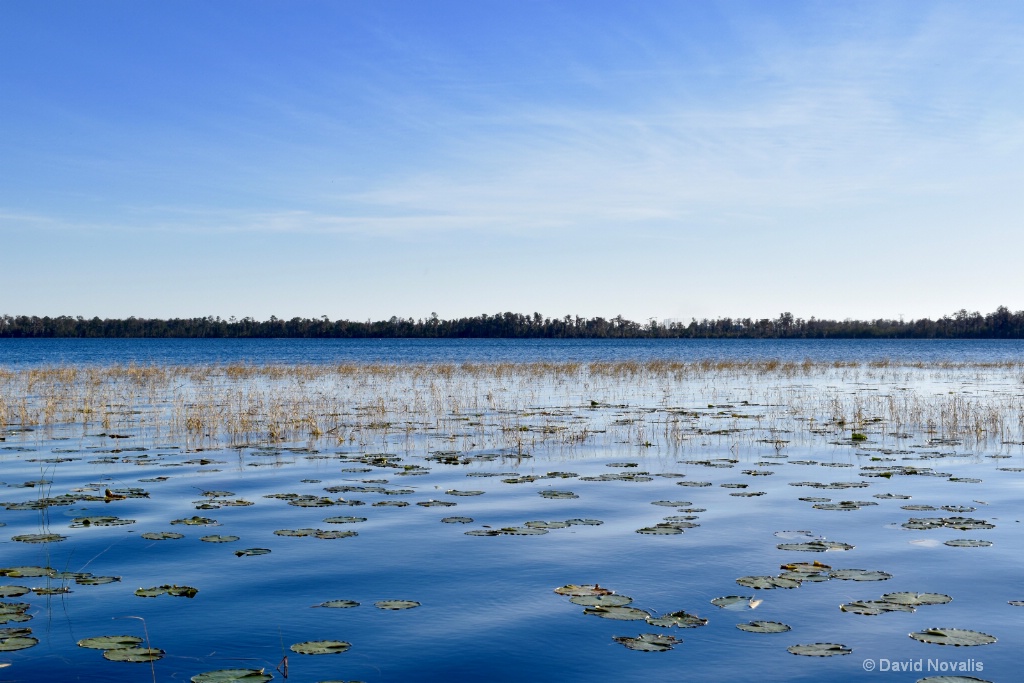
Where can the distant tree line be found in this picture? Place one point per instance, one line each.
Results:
(1000, 324)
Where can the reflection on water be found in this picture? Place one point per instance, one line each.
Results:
(487, 608)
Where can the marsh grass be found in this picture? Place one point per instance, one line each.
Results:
(520, 406)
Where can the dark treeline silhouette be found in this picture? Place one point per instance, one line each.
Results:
(1001, 324)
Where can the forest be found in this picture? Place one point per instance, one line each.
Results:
(1000, 324)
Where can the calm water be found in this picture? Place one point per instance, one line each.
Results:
(19, 352)
(488, 610)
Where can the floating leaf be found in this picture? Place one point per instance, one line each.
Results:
(764, 627)
(396, 604)
(248, 552)
(767, 582)
(12, 591)
(196, 521)
(622, 613)
(679, 619)
(12, 643)
(660, 530)
(673, 503)
(134, 654)
(345, 520)
(815, 546)
(454, 492)
(169, 589)
(162, 535)
(558, 494)
(232, 676)
(81, 522)
(217, 538)
(110, 642)
(958, 637)
(321, 647)
(859, 575)
(648, 642)
(582, 589)
(96, 580)
(967, 543)
(584, 522)
(38, 538)
(917, 598)
(735, 602)
(820, 649)
(457, 520)
(874, 607)
(339, 604)
(600, 600)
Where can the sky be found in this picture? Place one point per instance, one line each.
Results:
(362, 160)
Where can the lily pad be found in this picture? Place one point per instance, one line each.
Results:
(917, 598)
(232, 676)
(957, 637)
(345, 520)
(39, 538)
(734, 602)
(859, 575)
(600, 600)
(12, 643)
(321, 647)
(582, 589)
(820, 649)
(560, 495)
(134, 654)
(12, 591)
(196, 521)
(764, 627)
(815, 546)
(648, 642)
(967, 543)
(162, 535)
(168, 589)
(679, 619)
(339, 604)
(217, 538)
(457, 520)
(622, 613)
(767, 582)
(96, 580)
(396, 604)
(110, 642)
(248, 552)
(660, 530)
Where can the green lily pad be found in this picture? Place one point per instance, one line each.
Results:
(679, 619)
(437, 503)
(735, 602)
(196, 521)
(168, 589)
(874, 607)
(660, 530)
(917, 598)
(28, 571)
(82, 522)
(958, 637)
(967, 543)
(648, 642)
(622, 613)
(96, 580)
(110, 642)
(396, 604)
(582, 589)
(673, 503)
(815, 546)
(522, 531)
(162, 535)
(538, 524)
(218, 538)
(600, 600)
(12, 643)
(39, 538)
(859, 575)
(339, 604)
(391, 503)
(558, 494)
(457, 520)
(767, 582)
(345, 520)
(232, 676)
(820, 649)
(583, 522)
(249, 552)
(12, 591)
(454, 492)
(321, 647)
(764, 627)
(134, 654)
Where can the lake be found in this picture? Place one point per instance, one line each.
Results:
(667, 473)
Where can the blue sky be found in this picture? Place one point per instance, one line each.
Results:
(368, 159)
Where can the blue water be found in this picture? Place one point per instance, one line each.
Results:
(488, 608)
(29, 352)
